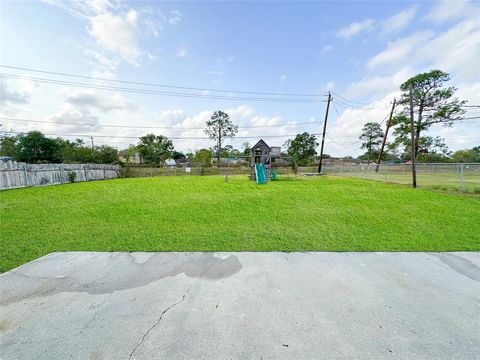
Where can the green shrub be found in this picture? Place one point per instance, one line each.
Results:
(72, 175)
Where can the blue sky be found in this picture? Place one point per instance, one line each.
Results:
(361, 51)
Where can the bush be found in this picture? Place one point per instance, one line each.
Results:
(72, 175)
(476, 191)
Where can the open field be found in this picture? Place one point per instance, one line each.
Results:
(206, 214)
(447, 177)
(463, 178)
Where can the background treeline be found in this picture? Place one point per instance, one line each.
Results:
(34, 147)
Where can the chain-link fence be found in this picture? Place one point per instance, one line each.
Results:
(439, 176)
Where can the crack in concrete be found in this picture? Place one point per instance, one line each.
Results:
(168, 309)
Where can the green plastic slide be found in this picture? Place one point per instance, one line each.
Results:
(260, 177)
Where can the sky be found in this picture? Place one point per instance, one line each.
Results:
(360, 51)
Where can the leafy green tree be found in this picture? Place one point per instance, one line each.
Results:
(303, 148)
(106, 154)
(129, 153)
(178, 155)
(69, 149)
(433, 103)
(371, 137)
(220, 127)
(155, 149)
(246, 149)
(34, 147)
(7, 145)
(468, 155)
(204, 157)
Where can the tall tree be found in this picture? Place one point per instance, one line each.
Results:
(303, 148)
(155, 148)
(246, 148)
(34, 147)
(220, 127)
(468, 155)
(371, 138)
(7, 145)
(433, 103)
(204, 157)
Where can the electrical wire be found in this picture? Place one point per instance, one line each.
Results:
(157, 84)
(348, 100)
(156, 92)
(171, 138)
(149, 127)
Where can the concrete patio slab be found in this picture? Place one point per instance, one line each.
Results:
(81, 305)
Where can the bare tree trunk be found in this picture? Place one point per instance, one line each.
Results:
(219, 148)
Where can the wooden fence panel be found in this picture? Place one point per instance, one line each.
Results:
(16, 174)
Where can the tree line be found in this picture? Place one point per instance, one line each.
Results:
(426, 100)
(425, 97)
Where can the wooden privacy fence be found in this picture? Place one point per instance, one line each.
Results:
(17, 175)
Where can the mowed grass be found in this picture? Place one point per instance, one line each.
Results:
(206, 214)
(434, 181)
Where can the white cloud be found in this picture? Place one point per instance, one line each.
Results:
(399, 21)
(182, 53)
(450, 10)
(116, 33)
(153, 28)
(330, 85)
(373, 87)
(283, 77)
(455, 50)
(11, 96)
(175, 17)
(344, 131)
(116, 28)
(101, 59)
(87, 99)
(355, 28)
(69, 114)
(326, 49)
(215, 73)
(400, 51)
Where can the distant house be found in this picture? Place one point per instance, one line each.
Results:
(5, 158)
(170, 163)
(134, 158)
(185, 162)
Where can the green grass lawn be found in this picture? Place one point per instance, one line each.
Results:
(207, 214)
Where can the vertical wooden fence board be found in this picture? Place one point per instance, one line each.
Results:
(16, 175)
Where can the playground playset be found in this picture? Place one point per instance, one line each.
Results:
(261, 158)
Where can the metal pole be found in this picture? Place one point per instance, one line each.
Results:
(461, 177)
(385, 136)
(324, 131)
(412, 129)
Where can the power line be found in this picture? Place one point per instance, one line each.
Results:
(159, 85)
(150, 127)
(348, 106)
(156, 92)
(171, 138)
(348, 100)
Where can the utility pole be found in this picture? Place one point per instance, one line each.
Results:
(385, 136)
(91, 139)
(324, 131)
(412, 129)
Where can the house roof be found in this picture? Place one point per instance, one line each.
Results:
(260, 144)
